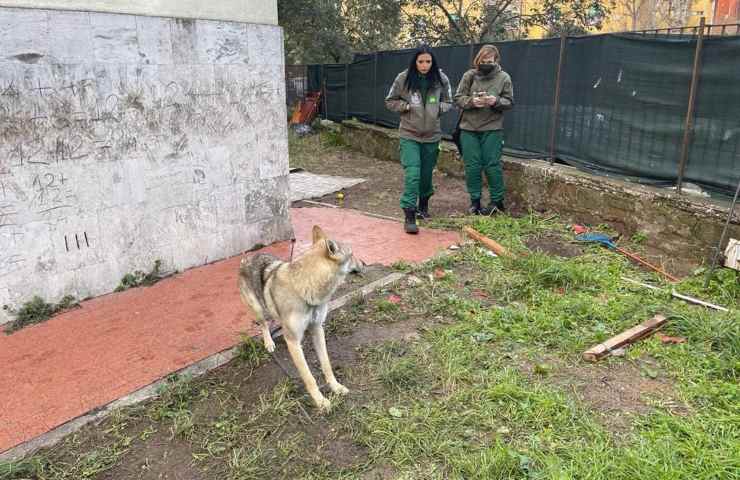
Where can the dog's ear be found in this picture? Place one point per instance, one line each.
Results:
(318, 234)
(331, 247)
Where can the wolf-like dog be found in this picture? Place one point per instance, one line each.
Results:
(296, 296)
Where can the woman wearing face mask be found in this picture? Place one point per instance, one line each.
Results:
(484, 93)
(421, 93)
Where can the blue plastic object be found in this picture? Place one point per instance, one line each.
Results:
(596, 237)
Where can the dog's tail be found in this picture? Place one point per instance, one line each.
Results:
(253, 273)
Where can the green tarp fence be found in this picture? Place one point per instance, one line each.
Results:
(623, 101)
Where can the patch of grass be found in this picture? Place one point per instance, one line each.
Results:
(342, 321)
(387, 311)
(174, 406)
(639, 238)
(252, 351)
(723, 288)
(479, 393)
(402, 266)
(90, 458)
(98, 448)
(333, 138)
(37, 310)
(306, 152)
(477, 416)
(139, 278)
(385, 306)
(396, 368)
(22, 469)
(240, 442)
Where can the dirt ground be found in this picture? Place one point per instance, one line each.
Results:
(382, 191)
(164, 456)
(322, 444)
(243, 387)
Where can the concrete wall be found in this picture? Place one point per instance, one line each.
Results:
(245, 11)
(126, 139)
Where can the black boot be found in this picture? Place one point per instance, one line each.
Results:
(423, 212)
(409, 226)
(499, 206)
(474, 207)
(492, 209)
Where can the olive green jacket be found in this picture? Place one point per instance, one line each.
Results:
(419, 119)
(481, 119)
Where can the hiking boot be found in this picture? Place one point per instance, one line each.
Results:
(475, 208)
(423, 212)
(493, 208)
(409, 225)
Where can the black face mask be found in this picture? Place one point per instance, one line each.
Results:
(486, 68)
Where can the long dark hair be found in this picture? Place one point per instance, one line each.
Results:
(413, 83)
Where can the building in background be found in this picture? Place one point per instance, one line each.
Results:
(726, 11)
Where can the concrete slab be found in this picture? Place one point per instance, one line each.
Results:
(305, 185)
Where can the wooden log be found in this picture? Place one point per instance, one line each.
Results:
(625, 338)
(494, 246)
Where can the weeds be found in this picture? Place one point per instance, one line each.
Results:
(139, 278)
(251, 351)
(37, 310)
(304, 152)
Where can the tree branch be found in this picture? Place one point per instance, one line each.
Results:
(450, 19)
(491, 22)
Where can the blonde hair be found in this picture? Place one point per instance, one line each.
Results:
(485, 51)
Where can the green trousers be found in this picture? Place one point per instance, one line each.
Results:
(482, 153)
(418, 160)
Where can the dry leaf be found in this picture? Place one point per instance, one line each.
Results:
(478, 293)
(668, 339)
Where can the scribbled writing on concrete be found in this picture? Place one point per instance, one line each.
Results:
(43, 124)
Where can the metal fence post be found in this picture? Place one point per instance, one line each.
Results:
(323, 86)
(375, 89)
(689, 124)
(556, 102)
(346, 91)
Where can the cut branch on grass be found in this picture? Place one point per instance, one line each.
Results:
(493, 245)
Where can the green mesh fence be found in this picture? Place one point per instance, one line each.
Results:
(623, 101)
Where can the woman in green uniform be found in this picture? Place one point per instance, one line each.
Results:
(484, 94)
(420, 94)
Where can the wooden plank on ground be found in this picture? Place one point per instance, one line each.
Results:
(625, 338)
(494, 246)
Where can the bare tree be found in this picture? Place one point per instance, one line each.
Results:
(440, 22)
(649, 14)
(671, 13)
(319, 31)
